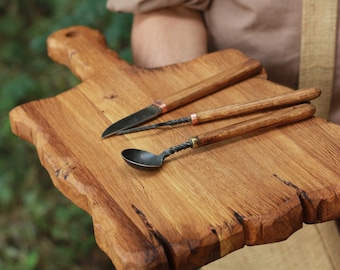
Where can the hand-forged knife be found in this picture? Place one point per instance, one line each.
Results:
(226, 78)
(236, 109)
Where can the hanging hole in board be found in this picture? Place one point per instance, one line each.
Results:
(72, 34)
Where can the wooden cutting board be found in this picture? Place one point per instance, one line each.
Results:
(203, 203)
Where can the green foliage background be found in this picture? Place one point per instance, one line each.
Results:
(39, 227)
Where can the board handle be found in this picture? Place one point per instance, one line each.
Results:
(278, 118)
(83, 50)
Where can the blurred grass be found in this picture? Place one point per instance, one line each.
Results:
(39, 227)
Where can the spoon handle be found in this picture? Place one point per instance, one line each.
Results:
(280, 117)
(290, 98)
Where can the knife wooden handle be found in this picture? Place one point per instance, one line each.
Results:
(290, 98)
(273, 119)
(226, 78)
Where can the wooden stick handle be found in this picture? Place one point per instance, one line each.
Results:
(273, 119)
(290, 98)
(226, 78)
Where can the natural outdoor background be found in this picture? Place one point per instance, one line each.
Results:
(39, 227)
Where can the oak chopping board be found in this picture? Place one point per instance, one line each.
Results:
(203, 203)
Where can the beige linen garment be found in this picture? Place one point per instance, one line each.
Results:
(263, 29)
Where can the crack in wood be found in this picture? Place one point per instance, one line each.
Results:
(168, 250)
(67, 173)
(301, 193)
(228, 225)
(110, 96)
(239, 218)
(214, 231)
(64, 172)
(310, 213)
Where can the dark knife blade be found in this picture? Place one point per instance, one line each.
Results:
(132, 120)
(225, 78)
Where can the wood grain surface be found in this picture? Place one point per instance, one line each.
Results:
(203, 203)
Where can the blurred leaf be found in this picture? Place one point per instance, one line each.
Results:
(32, 259)
(6, 190)
(12, 52)
(15, 90)
(10, 27)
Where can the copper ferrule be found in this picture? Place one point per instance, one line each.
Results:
(194, 119)
(195, 142)
(160, 105)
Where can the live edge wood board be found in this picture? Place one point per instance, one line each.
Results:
(203, 203)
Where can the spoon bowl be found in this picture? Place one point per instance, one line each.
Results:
(146, 160)
(142, 159)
